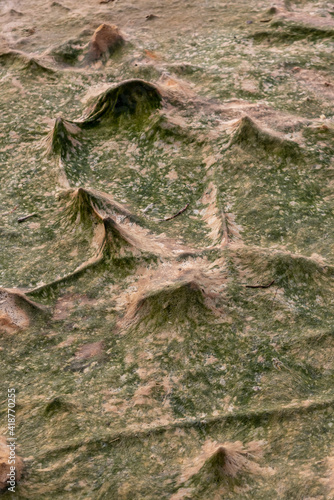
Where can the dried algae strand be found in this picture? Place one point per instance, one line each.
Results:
(223, 228)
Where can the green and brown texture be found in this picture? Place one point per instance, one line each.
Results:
(147, 362)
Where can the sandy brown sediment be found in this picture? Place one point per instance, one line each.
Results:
(17, 311)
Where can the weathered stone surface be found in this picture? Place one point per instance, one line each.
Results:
(184, 243)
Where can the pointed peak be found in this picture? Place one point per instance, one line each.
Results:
(225, 463)
(61, 139)
(85, 203)
(106, 39)
(249, 134)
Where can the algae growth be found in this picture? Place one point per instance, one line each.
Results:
(166, 310)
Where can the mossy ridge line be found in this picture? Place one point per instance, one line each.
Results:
(126, 239)
(118, 240)
(303, 22)
(292, 32)
(294, 25)
(21, 299)
(25, 62)
(113, 239)
(316, 339)
(94, 261)
(251, 416)
(137, 240)
(275, 256)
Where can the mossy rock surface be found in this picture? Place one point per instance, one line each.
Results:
(166, 269)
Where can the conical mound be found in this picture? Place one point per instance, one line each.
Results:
(105, 41)
(58, 405)
(83, 204)
(68, 52)
(226, 461)
(229, 463)
(131, 97)
(176, 303)
(249, 134)
(61, 139)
